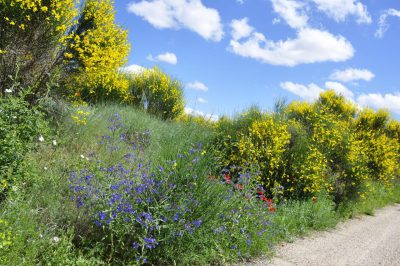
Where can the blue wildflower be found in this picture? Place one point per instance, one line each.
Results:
(135, 245)
(102, 215)
(197, 223)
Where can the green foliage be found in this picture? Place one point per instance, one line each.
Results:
(21, 129)
(229, 132)
(156, 92)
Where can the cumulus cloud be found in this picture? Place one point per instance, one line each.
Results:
(176, 14)
(309, 92)
(295, 13)
(340, 9)
(383, 26)
(309, 46)
(312, 91)
(167, 57)
(292, 12)
(352, 74)
(132, 69)
(201, 100)
(198, 86)
(339, 89)
(194, 112)
(376, 100)
(241, 28)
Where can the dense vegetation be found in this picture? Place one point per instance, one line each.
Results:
(101, 167)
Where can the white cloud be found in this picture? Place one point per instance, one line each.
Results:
(240, 2)
(241, 28)
(376, 100)
(132, 69)
(276, 21)
(197, 85)
(292, 12)
(340, 9)
(167, 57)
(352, 74)
(309, 92)
(383, 25)
(309, 46)
(176, 14)
(312, 91)
(201, 100)
(339, 89)
(295, 13)
(194, 112)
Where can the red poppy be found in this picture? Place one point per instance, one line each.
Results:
(228, 181)
(260, 192)
(271, 209)
(263, 198)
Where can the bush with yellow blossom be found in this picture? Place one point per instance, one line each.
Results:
(156, 92)
(328, 145)
(33, 34)
(77, 45)
(95, 52)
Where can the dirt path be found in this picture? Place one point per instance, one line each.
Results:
(367, 240)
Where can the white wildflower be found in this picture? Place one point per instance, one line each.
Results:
(54, 142)
(41, 139)
(56, 239)
(8, 91)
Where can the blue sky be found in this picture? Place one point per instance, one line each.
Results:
(231, 54)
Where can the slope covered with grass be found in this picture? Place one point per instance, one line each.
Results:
(126, 188)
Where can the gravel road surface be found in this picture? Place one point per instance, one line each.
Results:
(366, 240)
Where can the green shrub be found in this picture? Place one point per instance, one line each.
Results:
(156, 92)
(22, 127)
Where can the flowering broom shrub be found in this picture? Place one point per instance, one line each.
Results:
(135, 212)
(327, 145)
(379, 144)
(157, 92)
(264, 146)
(328, 124)
(32, 34)
(78, 45)
(95, 52)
